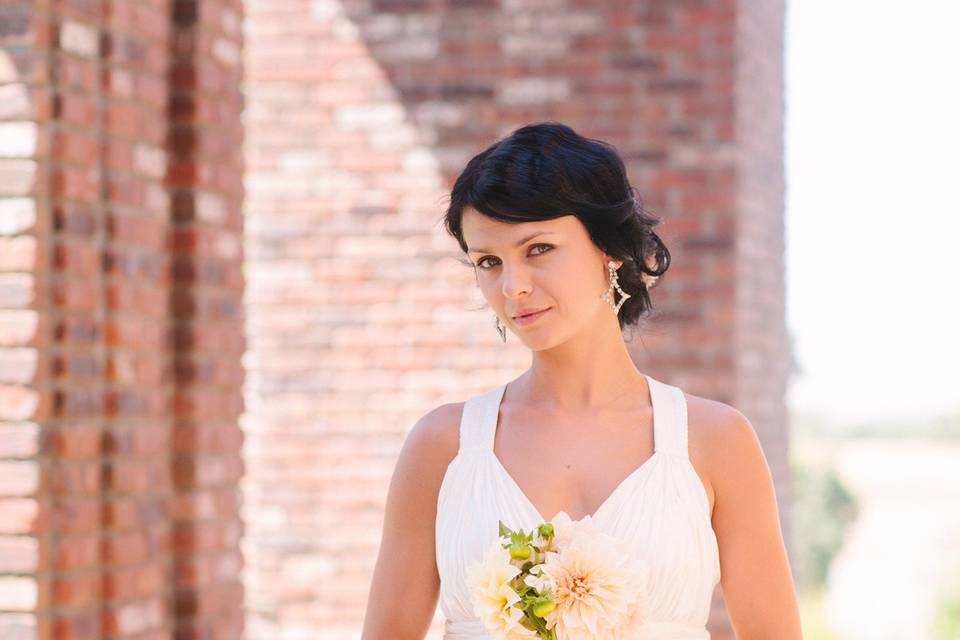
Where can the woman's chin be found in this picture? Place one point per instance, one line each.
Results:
(538, 340)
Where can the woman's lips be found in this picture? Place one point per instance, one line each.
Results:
(533, 317)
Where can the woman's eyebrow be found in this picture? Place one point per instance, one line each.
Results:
(520, 242)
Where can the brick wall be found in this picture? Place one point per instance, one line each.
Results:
(360, 318)
(761, 344)
(21, 402)
(121, 280)
(120, 319)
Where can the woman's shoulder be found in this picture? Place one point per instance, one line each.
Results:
(427, 450)
(714, 426)
(435, 436)
(438, 430)
(711, 422)
(721, 440)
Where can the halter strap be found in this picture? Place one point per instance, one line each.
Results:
(669, 418)
(476, 417)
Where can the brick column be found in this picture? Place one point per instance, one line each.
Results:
(25, 332)
(119, 444)
(206, 311)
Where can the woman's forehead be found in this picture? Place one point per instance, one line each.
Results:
(481, 231)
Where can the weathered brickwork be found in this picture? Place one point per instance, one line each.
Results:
(128, 276)
(120, 319)
(360, 318)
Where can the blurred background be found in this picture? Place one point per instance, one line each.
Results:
(225, 295)
(875, 405)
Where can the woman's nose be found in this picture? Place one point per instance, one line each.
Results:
(515, 281)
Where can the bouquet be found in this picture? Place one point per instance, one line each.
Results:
(565, 580)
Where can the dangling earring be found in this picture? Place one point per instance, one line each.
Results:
(501, 328)
(614, 284)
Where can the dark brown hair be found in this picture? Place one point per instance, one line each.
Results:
(547, 170)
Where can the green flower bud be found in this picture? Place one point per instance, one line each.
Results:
(520, 550)
(542, 606)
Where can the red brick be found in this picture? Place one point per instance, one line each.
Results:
(76, 183)
(76, 442)
(121, 513)
(76, 552)
(197, 537)
(76, 147)
(77, 516)
(129, 368)
(77, 367)
(129, 476)
(78, 402)
(126, 548)
(123, 119)
(136, 581)
(79, 109)
(144, 232)
(141, 296)
(72, 478)
(76, 590)
(75, 72)
(196, 505)
(151, 441)
(77, 625)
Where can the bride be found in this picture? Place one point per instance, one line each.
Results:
(564, 254)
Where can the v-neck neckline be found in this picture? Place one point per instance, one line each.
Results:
(495, 419)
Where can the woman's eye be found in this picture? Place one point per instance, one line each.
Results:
(480, 263)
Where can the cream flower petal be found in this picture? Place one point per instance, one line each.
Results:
(493, 597)
(595, 585)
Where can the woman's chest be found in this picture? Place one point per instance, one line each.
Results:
(573, 465)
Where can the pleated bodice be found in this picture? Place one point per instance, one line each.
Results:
(660, 511)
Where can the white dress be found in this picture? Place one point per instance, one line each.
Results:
(660, 510)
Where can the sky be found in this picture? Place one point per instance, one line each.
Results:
(872, 137)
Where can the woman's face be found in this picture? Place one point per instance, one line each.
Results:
(549, 264)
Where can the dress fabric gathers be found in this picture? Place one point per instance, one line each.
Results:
(660, 511)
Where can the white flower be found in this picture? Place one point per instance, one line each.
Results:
(493, 597)
(594, 583)
(565, 529)
(537, 580)
(538, 540)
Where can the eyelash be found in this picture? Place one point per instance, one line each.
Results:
(548, 246)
